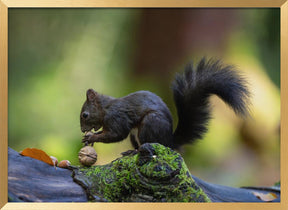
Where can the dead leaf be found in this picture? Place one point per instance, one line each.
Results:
(37, 154)
(265, 196)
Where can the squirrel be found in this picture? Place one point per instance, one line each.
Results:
(146, 117)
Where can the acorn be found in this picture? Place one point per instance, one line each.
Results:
(64, 164)
(87, 156)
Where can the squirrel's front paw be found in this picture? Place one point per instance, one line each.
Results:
(89, 138)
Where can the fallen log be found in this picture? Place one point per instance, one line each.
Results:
(152, 174)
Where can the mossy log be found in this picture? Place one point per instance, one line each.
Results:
(152, 174)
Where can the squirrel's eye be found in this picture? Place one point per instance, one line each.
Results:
(85, 115)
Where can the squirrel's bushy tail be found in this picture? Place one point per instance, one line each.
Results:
(191, 92)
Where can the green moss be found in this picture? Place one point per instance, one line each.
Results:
(155, 174)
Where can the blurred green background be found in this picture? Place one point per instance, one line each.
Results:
(55, 55)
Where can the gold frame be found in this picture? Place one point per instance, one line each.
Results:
(5, 4)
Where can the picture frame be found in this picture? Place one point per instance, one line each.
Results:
(4, 7)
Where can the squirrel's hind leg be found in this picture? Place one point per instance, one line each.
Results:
(156, 128)
(134, 138)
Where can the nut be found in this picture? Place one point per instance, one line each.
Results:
(54, 160)
(87, 156)
(64, 164)
(89, 133)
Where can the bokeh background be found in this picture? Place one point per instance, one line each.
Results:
(55, 55)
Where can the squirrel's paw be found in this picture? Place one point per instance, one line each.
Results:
(89, 138)
(129, 152)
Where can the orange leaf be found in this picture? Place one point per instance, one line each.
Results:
(37, 154)
(265, 197)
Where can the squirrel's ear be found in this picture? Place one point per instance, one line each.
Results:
(91, 95)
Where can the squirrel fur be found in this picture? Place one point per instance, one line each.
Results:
(146, 117)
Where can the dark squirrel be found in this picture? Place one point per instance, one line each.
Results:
(147, 118)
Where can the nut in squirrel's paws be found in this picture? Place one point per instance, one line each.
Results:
(88, 133)
(87, 137)
(87, 156)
